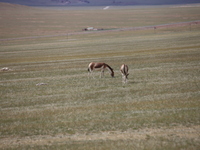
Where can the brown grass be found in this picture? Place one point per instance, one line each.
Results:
(157, 109)
(146, 134)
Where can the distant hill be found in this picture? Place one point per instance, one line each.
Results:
(97, 2)
(9, 6)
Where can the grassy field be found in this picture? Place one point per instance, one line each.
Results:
(18, 21)
(159, 107)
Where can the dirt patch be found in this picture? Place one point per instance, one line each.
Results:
(183, 132)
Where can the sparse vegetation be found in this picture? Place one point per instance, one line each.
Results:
(158, 108)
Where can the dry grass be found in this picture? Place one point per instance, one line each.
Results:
(37, 21)
(159, 107)
(134, 139)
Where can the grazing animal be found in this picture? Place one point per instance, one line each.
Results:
(100, 66)
(124, 71)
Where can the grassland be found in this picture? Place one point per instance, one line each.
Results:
(158, 108)
(18, 21)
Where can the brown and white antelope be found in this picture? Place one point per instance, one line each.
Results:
(100, 66)
(124, 71)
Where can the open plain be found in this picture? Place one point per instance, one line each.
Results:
(47, 100)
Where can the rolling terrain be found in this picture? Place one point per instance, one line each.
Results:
(48, 101)
(97, 2)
